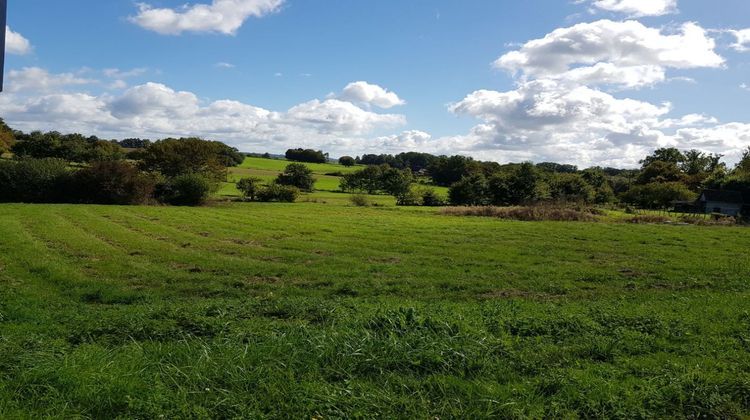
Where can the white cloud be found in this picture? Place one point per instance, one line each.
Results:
(627, 77)
(224, 65)
(40, 80)
(221, 16)
(744, 86)
(370, 94)
(154, 110)
(743, 40)
(114, 73)
(638, 8)
(15, 43)
(622, 44)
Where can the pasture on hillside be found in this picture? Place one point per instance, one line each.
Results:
(313, 310)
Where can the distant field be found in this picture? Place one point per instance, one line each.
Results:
(268, 169)
(315, 310)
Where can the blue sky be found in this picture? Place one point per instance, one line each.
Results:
(266, 75)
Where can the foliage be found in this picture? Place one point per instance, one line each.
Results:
(666, 155)
(190, 189)
(278, 193)
(135, 143)
(7, 137)
(537, 213)
(359, 200)
(347, 161)
(471, 190)
(430, 197)
(111, 182)
(378, 178)
(34, 180)
(297, 175)
(571, 187)
(186, 156)
(658, 195)
(249, 187)
(70, 147)
(446, 171)
(307, 155)
(518, 185)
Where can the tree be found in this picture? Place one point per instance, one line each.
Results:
(743, 167)
(7, 138)
(660, 171)
(668, 154)
(569, 187)
(346, 161)
(175, 157)
(306, 155)
(518, 185)
(135, 143)
(658, 195)
(249, 187)
(111, 182)
(446, 171)
(471, 190)
(297, 175)
(366, 180)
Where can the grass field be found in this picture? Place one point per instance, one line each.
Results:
(315, 310)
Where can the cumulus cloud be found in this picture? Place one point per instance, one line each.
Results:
(622, 44)
(39, 80)
(156, 110)
(743, 40)
(221, 16)
(370, 94)
(637, 8)
(15, 43)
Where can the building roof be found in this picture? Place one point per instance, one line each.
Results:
(734, 197)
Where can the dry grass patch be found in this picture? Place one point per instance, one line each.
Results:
(526, 214)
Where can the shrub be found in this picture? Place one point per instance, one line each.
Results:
(410, 197)
(249, 187)
(526, 214)
(278, 193)
(649, 219)
(469, 191)
(430, 198)
(186, 190)
(658, 195)
(297, 175)
(111, 182)
(359, 200)
(33, 180)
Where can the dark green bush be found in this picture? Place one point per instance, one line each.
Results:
(297, 175)
(249, 187)
(111, 182)
(33, 180)
(186, 190)
(278, 193)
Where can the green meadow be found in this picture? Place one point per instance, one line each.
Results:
(320, 309)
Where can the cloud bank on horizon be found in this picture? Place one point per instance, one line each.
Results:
(571, 102)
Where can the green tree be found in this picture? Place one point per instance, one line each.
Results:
(7, 138)
(346, 161)
(297, 175)
(175, 157)
(471, 190)
(667, 154)
(517, 185)
(660, 171)
(249, 187)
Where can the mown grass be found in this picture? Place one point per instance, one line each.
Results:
(329, 310)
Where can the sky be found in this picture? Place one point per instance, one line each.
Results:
(585, 82)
